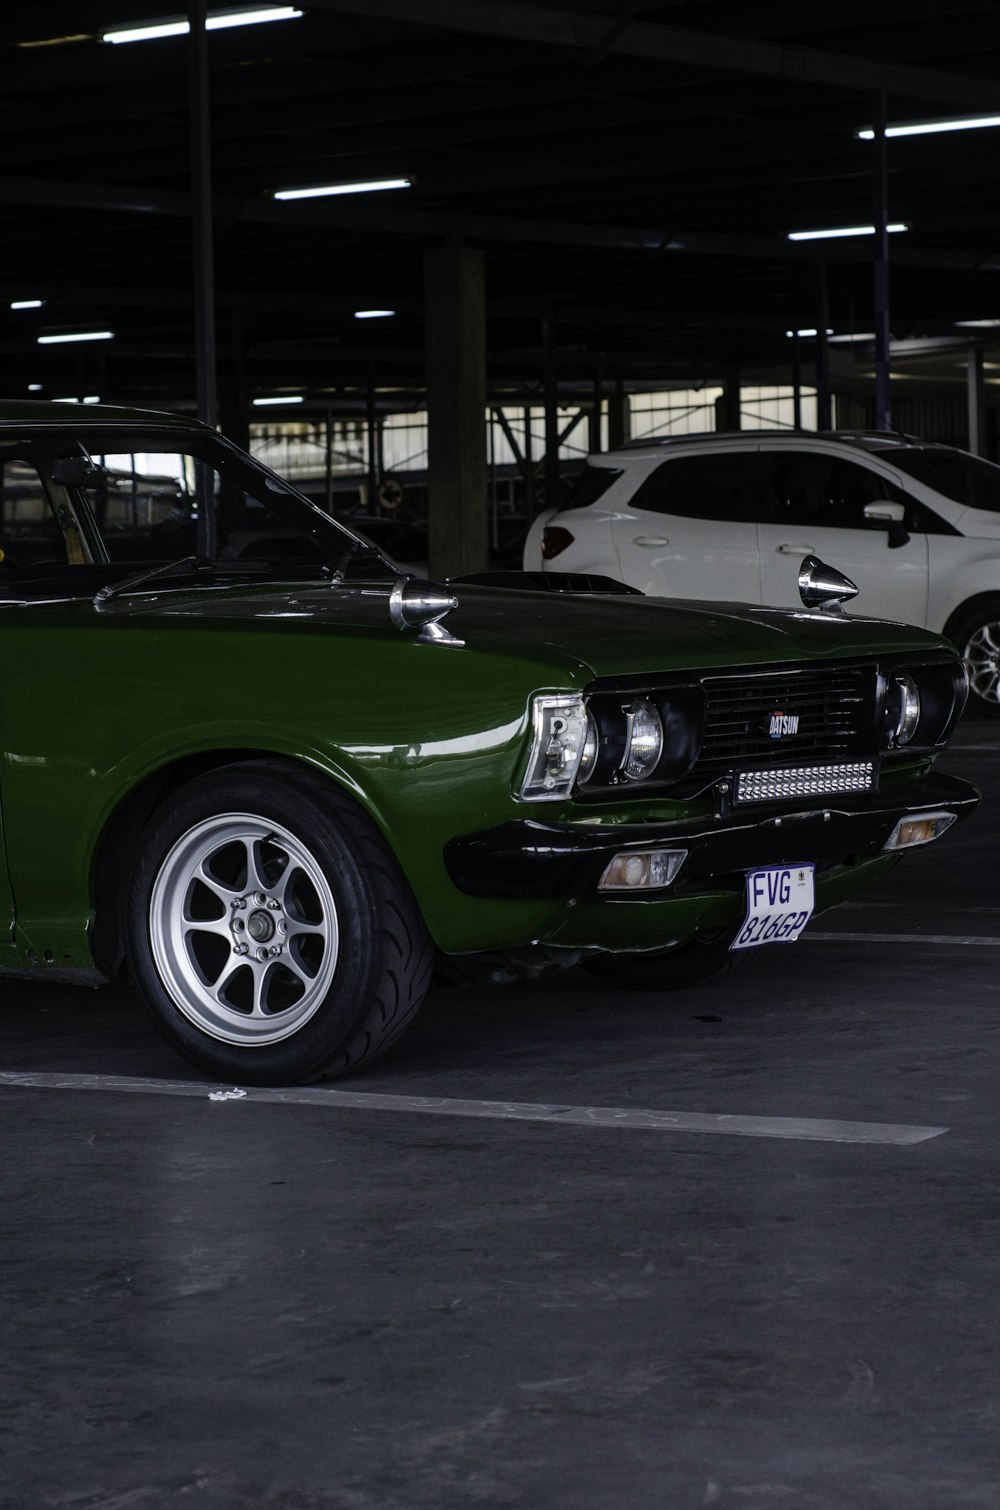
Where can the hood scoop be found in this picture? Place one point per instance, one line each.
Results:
(416, 605)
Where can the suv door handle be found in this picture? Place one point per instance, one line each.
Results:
(789, 549)
(650, 540)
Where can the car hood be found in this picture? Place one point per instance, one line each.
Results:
(609, 636)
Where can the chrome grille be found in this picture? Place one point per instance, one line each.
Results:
(833, 707)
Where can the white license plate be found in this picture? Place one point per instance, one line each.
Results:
(780, 902)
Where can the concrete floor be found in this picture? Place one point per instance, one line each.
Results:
(259, 1305)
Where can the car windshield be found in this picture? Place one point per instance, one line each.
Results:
(964, 478)
(103, 498)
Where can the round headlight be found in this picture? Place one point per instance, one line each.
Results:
(905, 710)
(644, 739)
(591, 745)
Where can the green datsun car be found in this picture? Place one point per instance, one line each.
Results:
(247, 760)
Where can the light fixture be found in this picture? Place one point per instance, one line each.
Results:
(930, 128)
(809, 330)
(353, 186)
(179, 26)
(34, 387)
(76, 335)
(373, 314)
(859, 335)
(291, 398)
(91, 398)
(844, 230)
(978, 324)
(27, 303)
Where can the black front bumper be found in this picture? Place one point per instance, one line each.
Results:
(532, 859)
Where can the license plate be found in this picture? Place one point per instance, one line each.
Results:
(780, 902)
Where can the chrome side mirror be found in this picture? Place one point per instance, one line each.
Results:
(414, 604)
(822, 586)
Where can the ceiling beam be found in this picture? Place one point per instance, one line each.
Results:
(591, 37)
(347, 214)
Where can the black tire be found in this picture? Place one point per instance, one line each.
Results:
(975, 629)
(344, 956)
(694, 962)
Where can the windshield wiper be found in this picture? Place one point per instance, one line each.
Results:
(139, 578)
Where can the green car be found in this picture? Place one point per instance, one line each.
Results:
(247, 760)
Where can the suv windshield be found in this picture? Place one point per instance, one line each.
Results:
(967, 479)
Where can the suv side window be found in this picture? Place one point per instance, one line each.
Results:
(719, 486)
(812, 489)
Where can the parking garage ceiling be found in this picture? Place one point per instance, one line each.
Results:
(632, 174)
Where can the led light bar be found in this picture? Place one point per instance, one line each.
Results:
(844, 230)
(808, 330)
(930, 128)
(373, 314)
(804, 781)
(354, 186)
(27, 303)
(179, 26)
(76, 335)
(290, 398)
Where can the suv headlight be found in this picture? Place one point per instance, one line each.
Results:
(561, 730)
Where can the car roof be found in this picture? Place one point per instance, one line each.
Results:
(22, 412)
(862, 440)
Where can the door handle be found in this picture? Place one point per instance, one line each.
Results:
(788, 549)
(650, 540)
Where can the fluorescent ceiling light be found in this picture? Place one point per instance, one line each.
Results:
(373, 314)
(930, 128)
(179, 26)
(978, 324)
(91, 398)
(356, 186)
(844, 230)
(808, 330)
(861, 335)
(77, 335)
(27, 303)
(34, 387)
(291, 398)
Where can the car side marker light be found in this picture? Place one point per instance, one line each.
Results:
(642, 870)
(922, 828)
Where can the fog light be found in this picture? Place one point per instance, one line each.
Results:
(924, 828)
(642, 869)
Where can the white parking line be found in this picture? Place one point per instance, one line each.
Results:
(813, 1129)
(976, 940)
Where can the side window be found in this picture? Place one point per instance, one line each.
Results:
(29, 530)
(721, 486)
(792, 487)
(830, 492)
(848, 487)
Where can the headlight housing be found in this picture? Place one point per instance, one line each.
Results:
(560, 732)
(611, 741)
(902, 709)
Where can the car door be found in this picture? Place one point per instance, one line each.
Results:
(690, 529)
(817, 502)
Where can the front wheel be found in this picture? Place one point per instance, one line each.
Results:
(689, 962)
(976, 632)
(270, 931)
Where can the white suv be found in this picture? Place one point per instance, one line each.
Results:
(730, 516)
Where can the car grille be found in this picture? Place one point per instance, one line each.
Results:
(790, 733)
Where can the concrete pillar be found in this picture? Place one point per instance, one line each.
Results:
(455, 353)
(976, 389)
(619, 417)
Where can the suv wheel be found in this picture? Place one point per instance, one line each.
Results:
(976, 632)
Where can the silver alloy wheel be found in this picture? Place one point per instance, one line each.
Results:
(982, 653)
(243, 929)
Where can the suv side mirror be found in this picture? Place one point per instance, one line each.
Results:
(892, 516)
